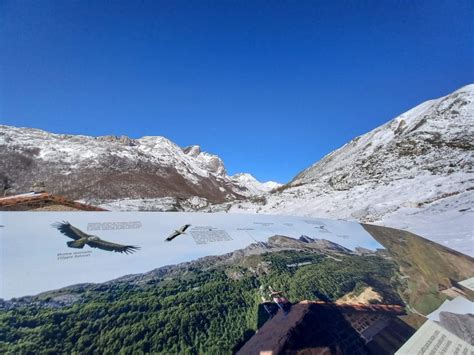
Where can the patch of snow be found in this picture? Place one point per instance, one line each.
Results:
(163, 204)
(254, 186)
(149, 204)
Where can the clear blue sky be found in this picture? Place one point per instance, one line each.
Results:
(270, 86)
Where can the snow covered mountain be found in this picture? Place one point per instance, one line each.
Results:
(414, 172)
(111, 168)
(253, 185)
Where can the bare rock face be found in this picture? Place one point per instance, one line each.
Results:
(192, 150)
(112, 167)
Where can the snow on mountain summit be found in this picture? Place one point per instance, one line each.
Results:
(253, 185)
(431, 137)
(414, 172)
(111, 167)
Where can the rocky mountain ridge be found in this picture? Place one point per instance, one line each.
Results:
(112, 167)
(414, 172)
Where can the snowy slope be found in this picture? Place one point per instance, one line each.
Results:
(110, 167)
(415, 173)
(253, 185)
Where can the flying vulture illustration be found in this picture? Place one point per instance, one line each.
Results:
(81, 239)
(178, 232)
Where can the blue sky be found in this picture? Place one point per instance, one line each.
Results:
(270, 86)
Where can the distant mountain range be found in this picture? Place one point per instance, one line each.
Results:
(111, 168)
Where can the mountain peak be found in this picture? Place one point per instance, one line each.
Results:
(411, 142)
(192, 150)
(252, 184)
(414, 172)
(113, 167)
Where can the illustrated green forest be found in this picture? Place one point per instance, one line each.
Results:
(196, 312)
